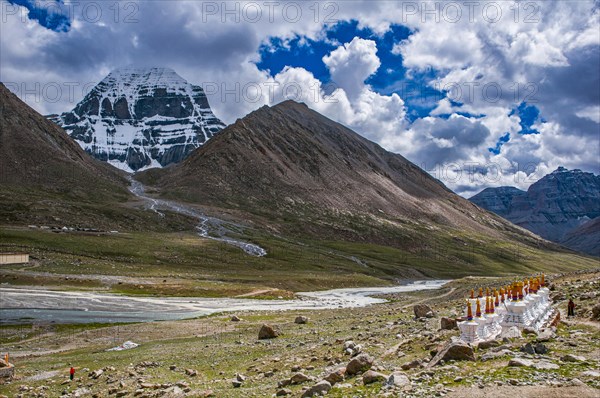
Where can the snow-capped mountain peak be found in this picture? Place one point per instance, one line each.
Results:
(137, 118)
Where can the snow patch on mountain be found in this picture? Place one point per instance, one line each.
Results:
(139, 118)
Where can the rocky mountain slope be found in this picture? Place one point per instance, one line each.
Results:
(584, 238)
(137, 118)
(47, 179)
(554, 207)
(300, 173)
(37, 153)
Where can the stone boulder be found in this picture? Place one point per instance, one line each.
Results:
(520, 362)
(457, 351)
(299, 378)
(359, 364)
(96, 374)
(545, 365)
(337, 376)
(546, 335)
(171, 392)
(596, 312)
(448, 323)
(423, 311)
(370, 377)
(301, 320)
(572, 358)
(267, 332)
(321, 388)
(484, 345)
(528, 349)
(397, 379)
(415, 363)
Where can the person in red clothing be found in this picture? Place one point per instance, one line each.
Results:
(571, 308)
(71, 373)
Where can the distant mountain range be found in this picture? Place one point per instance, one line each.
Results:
(138, 118)
(563, 207)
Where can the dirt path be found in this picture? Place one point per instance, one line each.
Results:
(426, 299)
(577, 321)
(525, 392)
(256, 293)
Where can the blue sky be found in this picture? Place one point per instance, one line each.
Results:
(49, 17)
(391, 77)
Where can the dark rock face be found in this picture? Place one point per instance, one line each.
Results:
(497, 200)
(560, 207)
(141, 117)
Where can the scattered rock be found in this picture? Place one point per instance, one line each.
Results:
(540, 349)
(267, 332)
(351, 348)
(321, 388)
(448, 323)
(80, 392)
(96, 373)
(152, 386)
(591, 373)
(360, 363)
(415, 363)
(337, 376)
(545, 365)
(520, 362)
(422, 311)
(528, 349)
(191, 372)
(576, 382)
(171, 392)
(495, 354)
(529, 330)
(484, 345)
(397, 379)
(458, 351)
(572, 358)
(370, 377)
(546, 335)
(596, 312)
(235, 318)
(283, 392)
(299, 378)
(301, 320)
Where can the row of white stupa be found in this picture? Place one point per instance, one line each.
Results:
(523, 304)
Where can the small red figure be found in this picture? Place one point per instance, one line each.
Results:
(71, 373)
